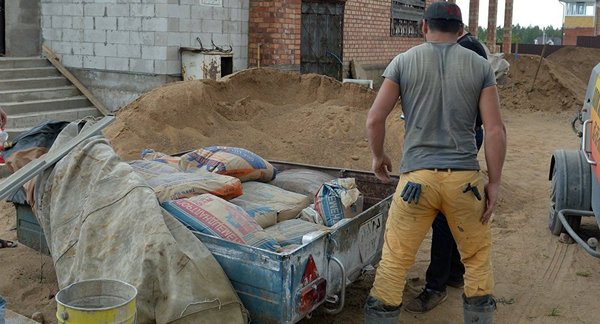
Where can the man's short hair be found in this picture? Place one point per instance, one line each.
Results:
(444, 25)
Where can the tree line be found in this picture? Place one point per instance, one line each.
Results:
(522, 35)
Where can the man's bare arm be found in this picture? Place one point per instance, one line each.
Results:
(382, 106)
(495, 146)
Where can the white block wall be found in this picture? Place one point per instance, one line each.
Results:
(142, 36)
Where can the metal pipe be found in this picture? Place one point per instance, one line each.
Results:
(577, 238)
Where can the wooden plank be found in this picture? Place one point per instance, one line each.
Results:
(67, 74)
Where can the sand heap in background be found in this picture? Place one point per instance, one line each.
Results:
(578, 60)
(279, 115)
(554, 84)
(312, 118)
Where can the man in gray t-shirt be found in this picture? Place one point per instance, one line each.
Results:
(440, 113)
(442, 87)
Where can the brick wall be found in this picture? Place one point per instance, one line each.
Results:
(570, 34)
(275, 27)
(367, 36)
(141, 37)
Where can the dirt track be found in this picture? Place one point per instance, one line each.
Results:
(538, 279)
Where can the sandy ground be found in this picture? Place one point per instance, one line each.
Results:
(538, 279)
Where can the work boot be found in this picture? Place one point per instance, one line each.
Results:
(376, 312)
(479, 310)
(426, 301)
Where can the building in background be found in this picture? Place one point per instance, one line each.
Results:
(121, 49)
(325, 36)
(580, 18)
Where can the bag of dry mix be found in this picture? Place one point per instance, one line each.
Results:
(214, 216)
(265, 216)
(231, 161)
(338, 199)
(291, 231)
(179, 185)
(303, 181)
(287, 204)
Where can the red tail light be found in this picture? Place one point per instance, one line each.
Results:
(314, 288)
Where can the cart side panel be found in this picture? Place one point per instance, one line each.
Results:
(266, 282)
(592, 111)
(357, 243)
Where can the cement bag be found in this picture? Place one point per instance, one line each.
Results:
(287, 204)
(303, 181)
(338, 199)
(309, 214)
(179, 185)
(151, 155)
(291, 231)
(212, 215)
(231, 161)
(151, 169)
(264, 216)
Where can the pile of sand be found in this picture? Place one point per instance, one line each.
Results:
(311, 118)
(279, 115)
(577, 60)
(555, 88)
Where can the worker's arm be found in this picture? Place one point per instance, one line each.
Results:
(495, 146)
(382, 106)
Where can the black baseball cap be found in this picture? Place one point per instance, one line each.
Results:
(443, 10)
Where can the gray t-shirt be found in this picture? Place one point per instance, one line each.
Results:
(440, 85)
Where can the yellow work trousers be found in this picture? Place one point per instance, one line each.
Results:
(408, 223)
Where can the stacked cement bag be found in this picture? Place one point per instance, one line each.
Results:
(290, 232)
(333, 199)
(195, 187)
(169, 183)
(264, 216)
(214, 216)
(179, 185)
(232, 161)
(287, 204)
(274, 216)
(303, 181)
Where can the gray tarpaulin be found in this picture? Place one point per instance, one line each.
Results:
(101, 220)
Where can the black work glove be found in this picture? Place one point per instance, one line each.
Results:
(411, 192)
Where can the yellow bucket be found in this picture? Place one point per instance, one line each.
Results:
(96, 301)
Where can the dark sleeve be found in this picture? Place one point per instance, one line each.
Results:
(473, 44)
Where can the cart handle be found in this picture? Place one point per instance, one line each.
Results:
(584, 140)
(342, 298)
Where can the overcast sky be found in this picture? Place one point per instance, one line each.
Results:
(525, 12)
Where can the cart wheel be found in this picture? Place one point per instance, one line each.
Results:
(571, 188)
